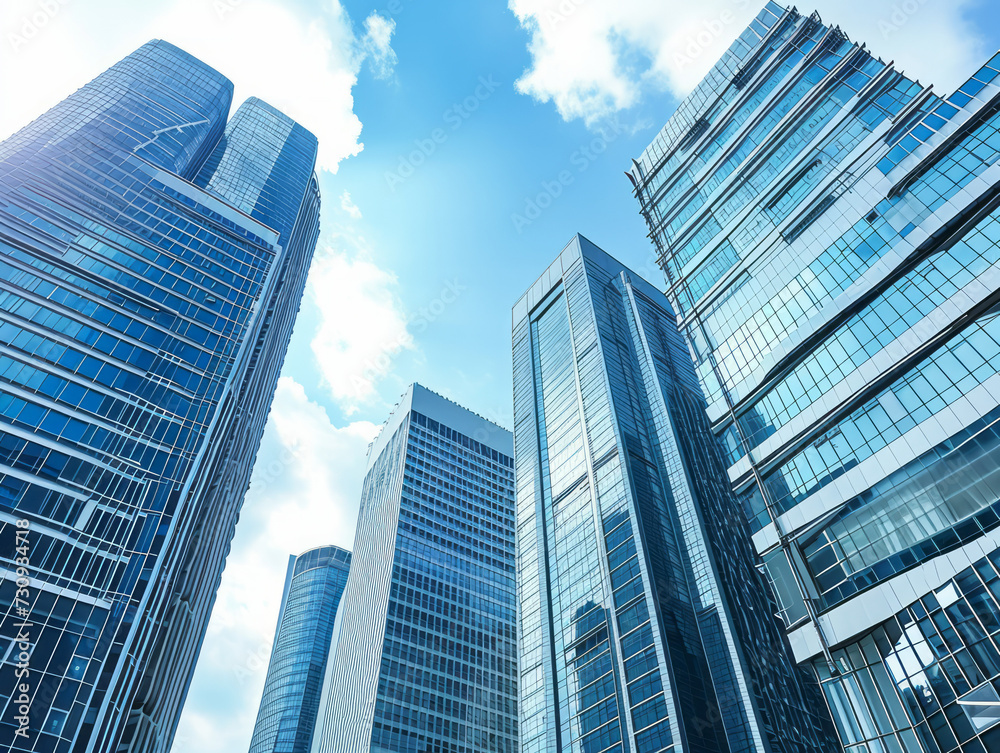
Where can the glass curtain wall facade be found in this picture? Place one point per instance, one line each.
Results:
(830, 234)
(313, 586)
(425, 645)
(644, 623)
(152, 260)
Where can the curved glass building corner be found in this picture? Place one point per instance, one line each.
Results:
(830, 234)
(313, 587)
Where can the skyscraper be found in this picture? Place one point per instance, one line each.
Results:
(426, 649)
(644, 623)
(831, 241)
(314, 584)
(153, 260)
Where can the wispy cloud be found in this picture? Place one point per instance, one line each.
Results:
(308, 470)
(348, 205)
(377, 44)
(592, 58)
(363, 324)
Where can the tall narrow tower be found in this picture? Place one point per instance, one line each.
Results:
(426, 647)
(644, 623)
(314, 585)
(152, 260)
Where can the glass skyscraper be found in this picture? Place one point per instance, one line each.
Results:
(644, 623)
(314, 584)
(425, 646)
(152, 260)
(830, 234)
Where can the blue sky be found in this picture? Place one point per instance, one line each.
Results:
(463, 144)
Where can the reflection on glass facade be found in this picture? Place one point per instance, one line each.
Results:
(152, 260)
(927, 678)
(425, 649)
(313, 587)
(830, 235)
(644, 623)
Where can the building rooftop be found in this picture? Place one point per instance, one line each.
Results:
(445, 411)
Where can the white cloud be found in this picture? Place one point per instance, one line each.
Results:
(377, 43)
(269, 51)
(348, 205)
(592, 58)
(304, 493)
(362, 323)
(304, 65)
